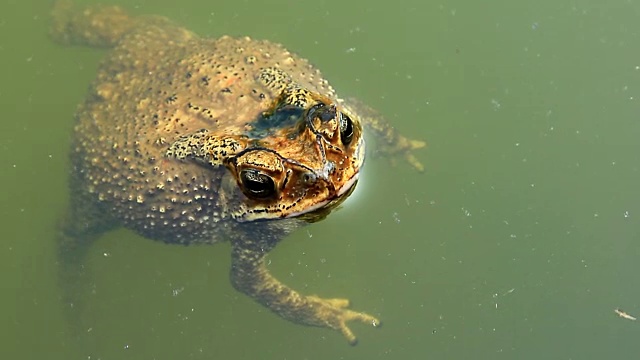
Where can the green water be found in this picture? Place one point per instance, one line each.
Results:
(518, 242)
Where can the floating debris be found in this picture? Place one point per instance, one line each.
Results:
(624, 315)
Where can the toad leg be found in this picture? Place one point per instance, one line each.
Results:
(97, 25)
(389, 141)
(82, 225)
(250, 276)
(104, 26)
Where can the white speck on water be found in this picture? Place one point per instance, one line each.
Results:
(496, 104)
(176, 292)
(626, 214)
(396, 217)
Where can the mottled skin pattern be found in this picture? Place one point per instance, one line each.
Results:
(189, 140)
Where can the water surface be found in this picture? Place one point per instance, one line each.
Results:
(518, 242)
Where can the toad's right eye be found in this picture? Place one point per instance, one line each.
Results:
(346, 129)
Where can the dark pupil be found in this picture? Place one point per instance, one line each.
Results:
(346, 129)
(257, 184)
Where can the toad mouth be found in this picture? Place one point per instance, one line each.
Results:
(322, 208)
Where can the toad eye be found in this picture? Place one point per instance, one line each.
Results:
(256, 184)
(346, 129)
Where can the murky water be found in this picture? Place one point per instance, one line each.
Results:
(518, 242)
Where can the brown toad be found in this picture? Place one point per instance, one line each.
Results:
(189, 140)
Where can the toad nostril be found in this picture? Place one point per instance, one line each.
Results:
(309, 178)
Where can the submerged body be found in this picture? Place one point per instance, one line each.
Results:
(190, 140)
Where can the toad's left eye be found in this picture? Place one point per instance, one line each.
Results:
(256, 184)
(346, 129)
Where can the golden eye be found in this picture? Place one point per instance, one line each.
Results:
(346, 129)
(256, 184)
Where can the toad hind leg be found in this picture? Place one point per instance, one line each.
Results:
(97, 25)
(83, 223)
(250, 276)
(107, 26)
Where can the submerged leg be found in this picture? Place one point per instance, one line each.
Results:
(82, 225)
(96, 25)
(389, 141)
(106, 26)
(250, 276)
